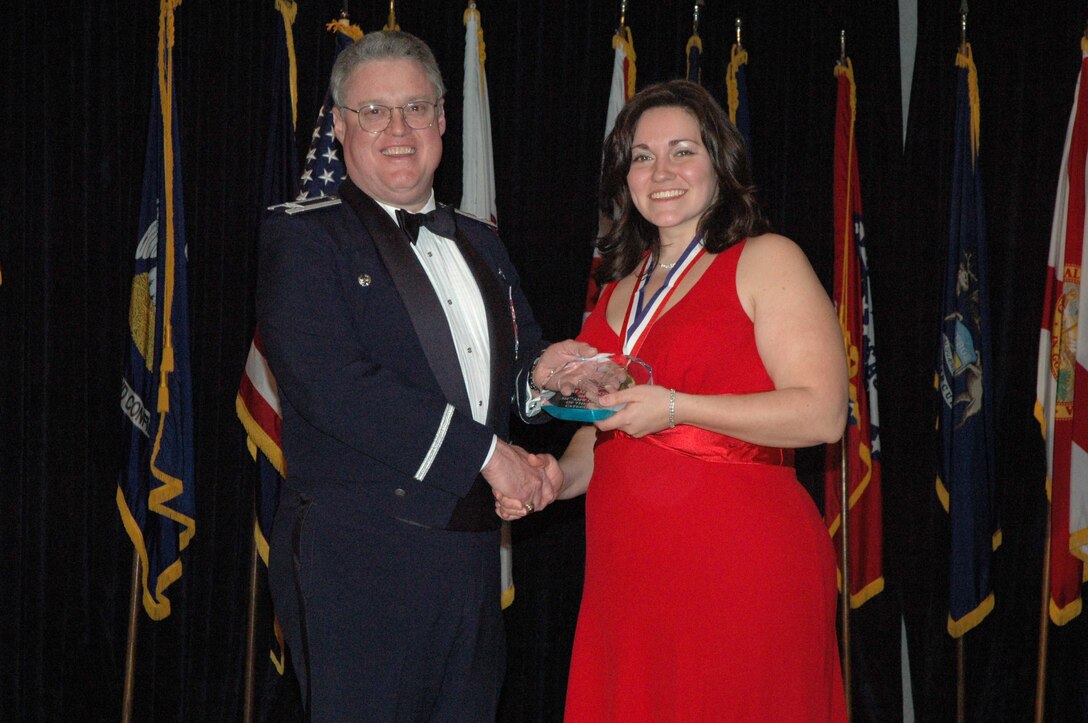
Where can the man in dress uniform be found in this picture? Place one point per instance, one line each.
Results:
(398, 334)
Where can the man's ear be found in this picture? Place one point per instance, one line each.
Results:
(338, 122)
(441, 116)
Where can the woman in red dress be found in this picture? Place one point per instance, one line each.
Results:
(710, 589)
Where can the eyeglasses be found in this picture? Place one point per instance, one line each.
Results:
(374, 118)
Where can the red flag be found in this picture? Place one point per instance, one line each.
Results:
(1062, 383)
(853, 302)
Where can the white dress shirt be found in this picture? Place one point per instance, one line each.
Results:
(460, 297)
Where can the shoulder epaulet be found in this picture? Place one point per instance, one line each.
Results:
(306, 204)
(490, 224)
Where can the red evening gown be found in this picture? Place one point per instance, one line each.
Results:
(710, 589)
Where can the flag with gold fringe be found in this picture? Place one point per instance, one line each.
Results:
(736, 91)
(964, 379)
(693, 52)
(853, 301)
(281, 161)
(621, 90)
(155, 493)
(1062, 383)
(257, 401)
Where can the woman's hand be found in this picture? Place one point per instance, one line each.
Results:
(645, 411)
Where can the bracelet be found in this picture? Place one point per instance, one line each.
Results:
(672, 408)
(532, 372)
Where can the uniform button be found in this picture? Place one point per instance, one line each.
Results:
(399, 492)
(364, 280)
(449, 301)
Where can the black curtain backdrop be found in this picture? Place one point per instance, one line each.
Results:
(76, 86)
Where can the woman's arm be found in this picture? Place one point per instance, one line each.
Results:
(577, 463)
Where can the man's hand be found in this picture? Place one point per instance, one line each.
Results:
(546, 373)
(570, 366)
(551, 475)
(518, 486)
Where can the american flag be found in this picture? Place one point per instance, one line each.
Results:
(323, 169)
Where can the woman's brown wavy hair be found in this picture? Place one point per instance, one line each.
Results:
(735, 213)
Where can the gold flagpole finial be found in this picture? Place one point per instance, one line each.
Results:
(623, 13)
(737, 24)
(695, 17)
(392, 23)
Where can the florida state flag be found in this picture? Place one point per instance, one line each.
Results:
(1062, 383)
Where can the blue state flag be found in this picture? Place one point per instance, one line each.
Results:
(736, 89)
(155, 492)
(281, 157)
(964, 379)
(694, 52)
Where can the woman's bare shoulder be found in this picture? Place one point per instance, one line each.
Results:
(771, 246)
(769, 256)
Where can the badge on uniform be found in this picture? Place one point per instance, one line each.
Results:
(306, 204)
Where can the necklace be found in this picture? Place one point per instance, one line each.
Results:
(667, 266)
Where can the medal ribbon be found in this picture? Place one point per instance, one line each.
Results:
(642, 314)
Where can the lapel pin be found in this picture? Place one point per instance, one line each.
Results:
(364, 280)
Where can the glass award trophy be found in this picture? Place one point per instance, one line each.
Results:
(591, 377)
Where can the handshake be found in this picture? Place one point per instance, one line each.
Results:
(523, 482)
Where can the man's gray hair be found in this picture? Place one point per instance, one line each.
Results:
(386, 45)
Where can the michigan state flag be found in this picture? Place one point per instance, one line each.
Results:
(155, 493)
(965, 484)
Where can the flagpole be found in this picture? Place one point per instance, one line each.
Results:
(844, 515)
(251, 625)
(130, 647)
(1044, 629)
(844, 594)
(961, 663)
(961, 682)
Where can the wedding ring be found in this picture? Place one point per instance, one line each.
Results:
(529, 507)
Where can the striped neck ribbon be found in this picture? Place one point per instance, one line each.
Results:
(642, 313)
